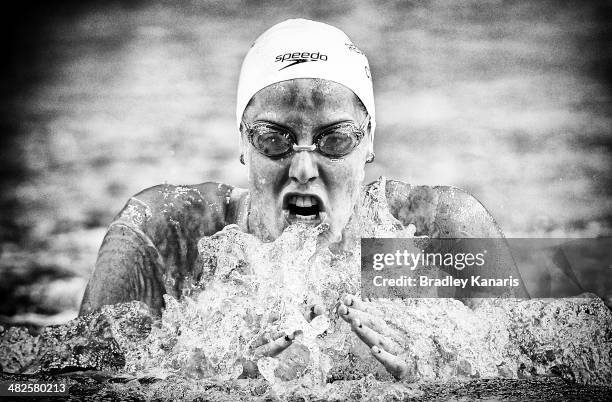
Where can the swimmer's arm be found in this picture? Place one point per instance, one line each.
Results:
(128, 268)
(154, 235)
(441, 211)
(461, 215)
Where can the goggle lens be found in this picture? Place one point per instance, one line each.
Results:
(270, 140)
(339, 140)
(274, 141)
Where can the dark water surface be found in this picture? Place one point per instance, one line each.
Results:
(103, 386)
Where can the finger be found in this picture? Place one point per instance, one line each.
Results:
(394, 365)
(373, 338)
(267, 337)
(313, 311)
(273, 348)
(356, 303)
(350, 315)
(365, 333)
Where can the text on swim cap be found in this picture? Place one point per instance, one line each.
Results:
(300, 57)
(307, 56)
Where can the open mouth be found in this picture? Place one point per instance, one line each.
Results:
(303, 208)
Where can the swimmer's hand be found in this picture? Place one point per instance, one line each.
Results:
(272, 344)
(367, 323)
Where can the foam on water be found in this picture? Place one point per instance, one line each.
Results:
(249, 291)
(246, 291)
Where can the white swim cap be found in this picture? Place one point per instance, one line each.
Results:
(299, 48)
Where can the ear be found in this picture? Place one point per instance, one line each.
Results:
(242, 140)
(370, 138)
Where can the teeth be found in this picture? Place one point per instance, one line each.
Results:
(303, 201)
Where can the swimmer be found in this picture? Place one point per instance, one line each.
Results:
(306, 121)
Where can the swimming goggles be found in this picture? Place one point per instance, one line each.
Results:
(335, 141)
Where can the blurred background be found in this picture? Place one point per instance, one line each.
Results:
(509, 100)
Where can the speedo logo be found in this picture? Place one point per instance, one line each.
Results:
(299, 57)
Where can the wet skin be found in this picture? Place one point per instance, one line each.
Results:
(367, 323)
(304, 106)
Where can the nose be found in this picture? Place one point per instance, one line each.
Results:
(303, 167)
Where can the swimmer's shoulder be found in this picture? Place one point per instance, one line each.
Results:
(202, 208)
(440, 211)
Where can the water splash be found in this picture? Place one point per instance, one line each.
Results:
(245, 291)
(248, 291)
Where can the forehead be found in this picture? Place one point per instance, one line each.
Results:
(306, 96)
